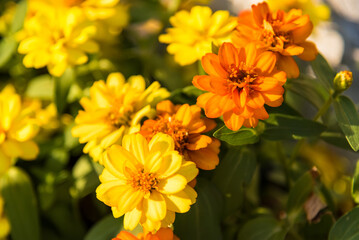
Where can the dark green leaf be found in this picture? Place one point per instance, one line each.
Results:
(202, 220)
(241, 137)
(310, 89)
(62, 88)
(107, 228)
(280, 126)
(20, 205)
(347, 227)
(355, 184)
(234, 170)
(263, 228)
(336, 138)
(215, 48)
(323, 71)
(348, 120)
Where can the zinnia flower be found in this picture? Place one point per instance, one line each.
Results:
(185, 125)
(162, 234)
(240, 82)
(114, 109)
(56, 37)
(17, 128)
(194, 32)
(283, 34)
(146, 181)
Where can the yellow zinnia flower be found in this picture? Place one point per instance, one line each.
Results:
(114, 109)
(17, 128)
(146, 181)
(56, 37)
(194, 32)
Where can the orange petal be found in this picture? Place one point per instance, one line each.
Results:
(260, 12)
(228, 55)
(233, 121)
(203, 99)
(123, 235)
(165, 107)
(255, 100)
(281, 76)
(261, 113)
(211, 65)
(204, 158)
(265, 84)
(197, 141)
(250, 122)
(292, 50)
(266, 61)
(300, 34)
(251, 53)
(184, 114)
(210, 124)
(310, 51)
(219, 86)
(163, 234)
(287, 64)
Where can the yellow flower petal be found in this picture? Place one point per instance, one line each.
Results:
(155, 206)
(172, 184)
(132, 218)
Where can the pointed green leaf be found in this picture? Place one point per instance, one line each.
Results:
(234, 171)
(20, 205)
(347, 227)
(323, 71)
(348, 120)
(62, 88)
(280, 126)
(241, 137)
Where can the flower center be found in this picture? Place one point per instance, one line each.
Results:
(273, 37)
(173, 127)
(241, 77)
(143, 181)
(120, 114)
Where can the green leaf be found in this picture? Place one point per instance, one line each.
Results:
(62, 88)
(202, 221)
(348, 120)
(336, 138)
(323, 71)
(299, 193)
(241, 137)
(20, 205)
(309, 89)
(107, 228)
(234, 171)
(280, 126)
(41, 87)
(355, 184)
(263, 228)
(85, 178)
(347, 227)
(19, 17)
(7, 48)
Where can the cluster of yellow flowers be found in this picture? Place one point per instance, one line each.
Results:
(61, 34)
(150, 166)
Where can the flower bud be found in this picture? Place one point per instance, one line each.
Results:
(343, 80)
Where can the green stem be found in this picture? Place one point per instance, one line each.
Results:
(284, 162)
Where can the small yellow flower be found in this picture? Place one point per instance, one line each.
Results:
(146, 181)
(56, 37)
(194, 32)
(4, 222)
(115, 108)
(17, 128)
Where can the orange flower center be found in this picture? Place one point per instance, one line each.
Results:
(120, 114)
(273, 37)
(173, 127)
(241, 77)
(143, 181)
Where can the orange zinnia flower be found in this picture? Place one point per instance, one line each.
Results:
(240, 82)
(282, 33)
(162, 234)
(185, 125)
